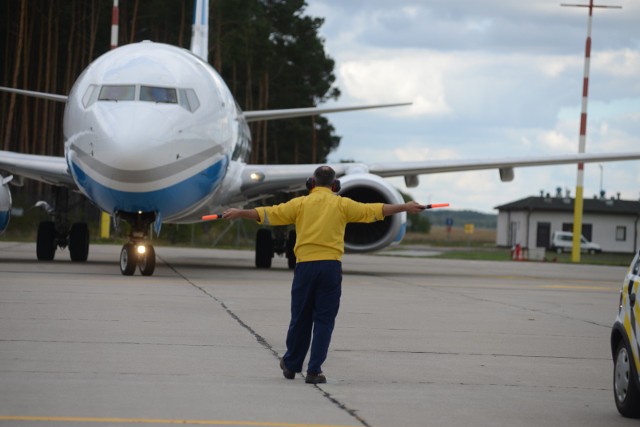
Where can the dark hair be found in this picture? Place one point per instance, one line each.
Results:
(324, 176)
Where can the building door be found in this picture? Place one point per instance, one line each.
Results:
(513, 233)
(543, 235)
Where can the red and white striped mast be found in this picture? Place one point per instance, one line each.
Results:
(578, 206)
(114, 25)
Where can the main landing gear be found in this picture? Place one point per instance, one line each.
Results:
(278, 242)
(138, 252)
(57, 233)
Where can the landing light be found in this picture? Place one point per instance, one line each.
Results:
(141, 249)
(257, 177)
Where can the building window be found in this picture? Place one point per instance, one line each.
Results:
(621, 233)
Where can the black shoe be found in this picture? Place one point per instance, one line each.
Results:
(318, 378)
(288, 374)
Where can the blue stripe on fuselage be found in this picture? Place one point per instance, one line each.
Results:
(167, 201)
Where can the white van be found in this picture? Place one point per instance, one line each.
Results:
(562, 241)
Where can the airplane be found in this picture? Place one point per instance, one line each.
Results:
(153, 135)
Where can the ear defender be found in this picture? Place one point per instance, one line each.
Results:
(311, 183)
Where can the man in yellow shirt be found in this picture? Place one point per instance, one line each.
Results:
(320, 219)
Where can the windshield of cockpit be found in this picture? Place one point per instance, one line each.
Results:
(186, 98)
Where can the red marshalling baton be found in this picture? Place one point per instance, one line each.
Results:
(437, 205)
(211, 217)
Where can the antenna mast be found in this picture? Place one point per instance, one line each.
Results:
(578, 206)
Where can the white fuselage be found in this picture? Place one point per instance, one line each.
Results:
(151, 128)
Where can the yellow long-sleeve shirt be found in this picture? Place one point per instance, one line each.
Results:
(320, 219)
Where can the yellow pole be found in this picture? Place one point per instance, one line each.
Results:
(577, 222)
(105, 225)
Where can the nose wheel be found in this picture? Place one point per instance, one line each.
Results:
(138, 255)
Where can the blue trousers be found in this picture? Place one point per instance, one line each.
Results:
(315, 300)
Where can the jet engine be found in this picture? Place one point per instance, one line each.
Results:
(367, 188)
(5, 203)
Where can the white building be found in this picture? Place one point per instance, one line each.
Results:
(611, 223)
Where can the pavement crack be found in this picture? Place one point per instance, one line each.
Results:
(504, 304)
(264, 343)
(261, 340)
(342, 406)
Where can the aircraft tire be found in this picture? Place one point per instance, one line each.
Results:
(147, 262)
(291, 256)
(264, 248)
(79, 242)
(128, 259)
(46, 241)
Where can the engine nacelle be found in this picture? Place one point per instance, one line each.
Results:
(367, 188)
(5, 203)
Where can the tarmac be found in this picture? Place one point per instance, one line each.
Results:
(418, 342)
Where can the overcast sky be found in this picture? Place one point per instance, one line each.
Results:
(488, 79)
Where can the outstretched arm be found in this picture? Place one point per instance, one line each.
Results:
(410, 207)
(234, 213)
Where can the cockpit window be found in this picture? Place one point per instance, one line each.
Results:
(90, 95)
(158, 94)
(189, 99)
(186, 98)
(117, 93)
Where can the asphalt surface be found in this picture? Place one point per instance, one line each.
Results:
(418, 342)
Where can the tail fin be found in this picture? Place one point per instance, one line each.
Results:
(200, 33)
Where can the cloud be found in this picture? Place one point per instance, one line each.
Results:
(413, 153)
(404, 78)
(557, 141)
(489, 79)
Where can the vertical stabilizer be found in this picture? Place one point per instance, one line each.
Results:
(200, 33)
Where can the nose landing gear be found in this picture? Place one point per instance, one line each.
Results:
(141, 255)
(138, 252)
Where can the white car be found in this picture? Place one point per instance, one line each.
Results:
(562, 241)
(625, 349)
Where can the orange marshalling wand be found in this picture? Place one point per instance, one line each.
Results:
(211, 217)
(437, 205)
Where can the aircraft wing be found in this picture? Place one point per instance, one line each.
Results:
(48, 169)
(259, 181)
(439, 166)
(42, 95)
(254, 116)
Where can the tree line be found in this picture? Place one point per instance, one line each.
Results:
(268, 51)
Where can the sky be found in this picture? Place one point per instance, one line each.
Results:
(487, 79)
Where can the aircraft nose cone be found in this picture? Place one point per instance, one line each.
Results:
(138, 134)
